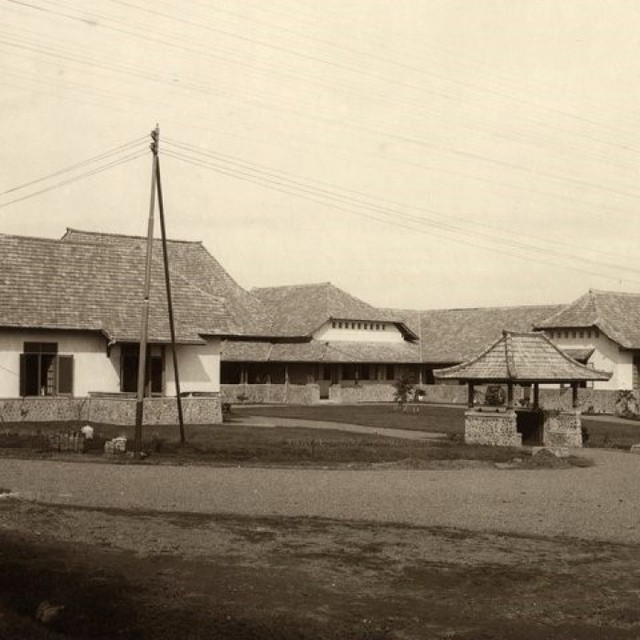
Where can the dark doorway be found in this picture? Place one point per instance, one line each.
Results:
(530, 423)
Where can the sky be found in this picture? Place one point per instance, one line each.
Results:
(417, 153)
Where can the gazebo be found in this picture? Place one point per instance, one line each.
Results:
(524, 359)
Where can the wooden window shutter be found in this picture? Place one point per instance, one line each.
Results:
(23, 375)
(65, 375)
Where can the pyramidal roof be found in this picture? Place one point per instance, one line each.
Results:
(616, 314)
(522, 357)
(298, 310)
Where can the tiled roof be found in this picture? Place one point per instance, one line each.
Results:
(455, 335)
(522, 357)
(301, 309)
(615, 314)
(93, 286)
(191, 261)
(317, 351)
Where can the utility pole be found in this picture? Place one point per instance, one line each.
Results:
(144, 321)
(167, 280)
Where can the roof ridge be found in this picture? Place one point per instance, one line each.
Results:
(293, 286)
(123, 235)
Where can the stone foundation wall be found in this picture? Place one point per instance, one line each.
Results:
(563, 430)
(111, 410)
(364, 392)
(302, 394)
(492, 428)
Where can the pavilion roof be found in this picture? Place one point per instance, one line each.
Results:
(522, 357)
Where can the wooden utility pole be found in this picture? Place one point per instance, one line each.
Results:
(167, 280)
(144, 321)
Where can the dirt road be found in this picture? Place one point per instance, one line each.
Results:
(597, 503)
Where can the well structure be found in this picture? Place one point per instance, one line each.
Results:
(527, 360)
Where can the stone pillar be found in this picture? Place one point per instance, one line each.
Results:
(574, 395)
(536, 395)
(470, 396)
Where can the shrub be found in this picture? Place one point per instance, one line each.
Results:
(404, 388)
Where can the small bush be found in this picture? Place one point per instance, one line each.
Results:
(404, 387)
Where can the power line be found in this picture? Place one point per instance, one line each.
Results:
(119, 149)
(321, 196)
(82, 176)
(448, 217)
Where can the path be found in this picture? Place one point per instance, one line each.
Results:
(599, 502)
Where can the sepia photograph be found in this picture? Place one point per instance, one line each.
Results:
(319, 320)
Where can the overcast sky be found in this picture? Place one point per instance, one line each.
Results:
(417, 153)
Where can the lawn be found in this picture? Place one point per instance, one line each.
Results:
(239, 444)
(434, 418)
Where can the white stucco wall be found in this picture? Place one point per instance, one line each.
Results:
(92, 369)
(607, 357)
(390, 333)
(199, 367)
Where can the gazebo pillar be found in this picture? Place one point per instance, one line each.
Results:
(574, 395)
(510, 395)
(536, 395)
(470, 395)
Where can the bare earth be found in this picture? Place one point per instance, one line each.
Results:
(158, 551)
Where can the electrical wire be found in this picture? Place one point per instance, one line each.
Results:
(338, 201)
(119, 149)
(82, 176)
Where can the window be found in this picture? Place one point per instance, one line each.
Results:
(154, 383)
(333, 324)
(43, 372)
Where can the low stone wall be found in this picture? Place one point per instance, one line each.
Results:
(111, 410)
(492, 428)
(563, 429)
(364, 392)
(301, 394)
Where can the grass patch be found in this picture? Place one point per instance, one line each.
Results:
(432, 418)
(238, 444)
(607, 434)
(437, 419)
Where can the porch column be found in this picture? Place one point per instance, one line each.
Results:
(243, 374)
(536, 395)
(470, 395)
(286, 373)
(510, 395)
(574, 395)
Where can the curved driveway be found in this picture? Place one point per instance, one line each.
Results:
(600, 502)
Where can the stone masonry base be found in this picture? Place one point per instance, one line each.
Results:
(110, 410)
(492, 428)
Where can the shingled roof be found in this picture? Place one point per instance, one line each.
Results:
(316, 351)
(67, 285)
(191, 261)
(522, 357)
(299, 310)
(615, 314)
(455, 335)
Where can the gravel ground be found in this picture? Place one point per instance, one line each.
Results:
(598, 503)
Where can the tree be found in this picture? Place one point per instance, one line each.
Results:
(404, 389)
